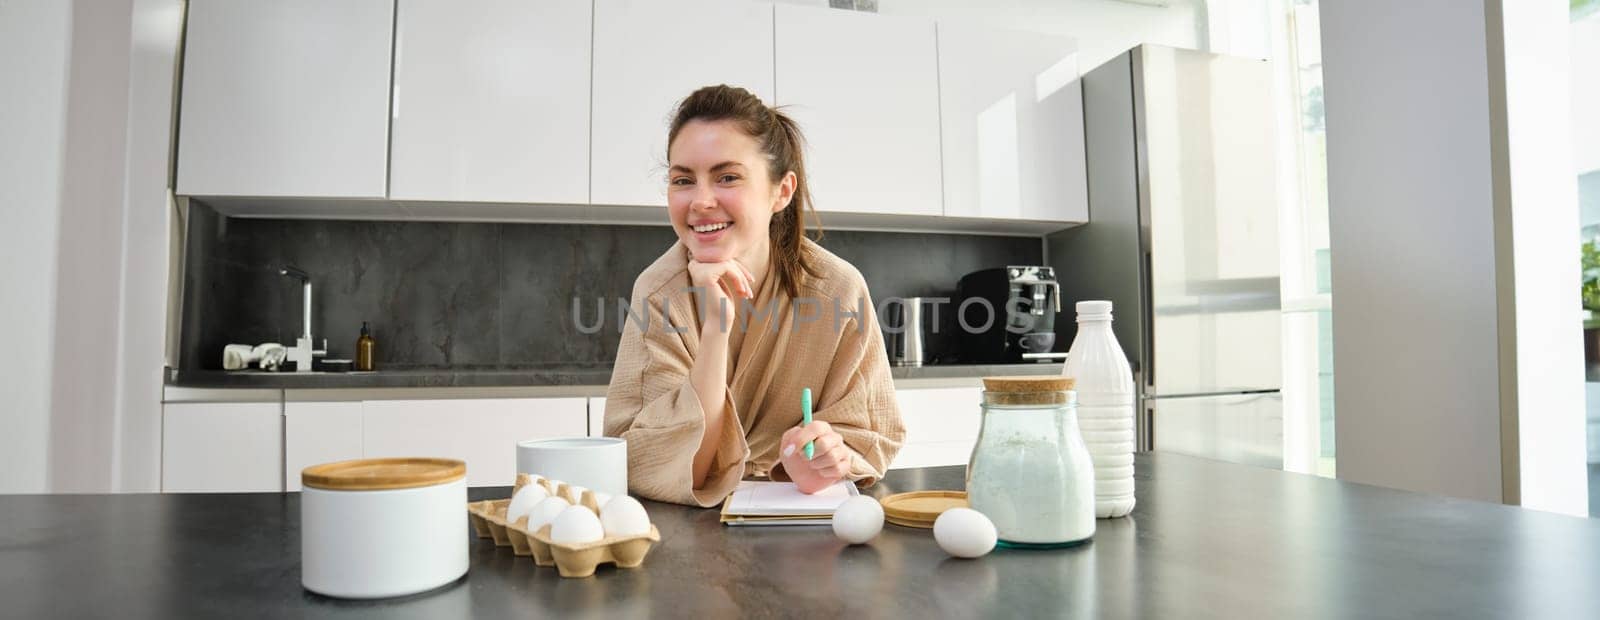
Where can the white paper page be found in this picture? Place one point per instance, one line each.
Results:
(758, 497)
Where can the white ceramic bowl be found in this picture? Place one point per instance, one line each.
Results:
(597, 463)
(384, 542)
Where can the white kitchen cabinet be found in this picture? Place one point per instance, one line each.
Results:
(482, 432)
(285, 98)
(648, 56)
(319, 432)
(934, 454)
(1011, 119)
(865, 91)
(941, 426)
(597, 417)
(221, 447)
(491, 101)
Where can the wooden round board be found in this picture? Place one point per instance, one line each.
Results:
(920, 508)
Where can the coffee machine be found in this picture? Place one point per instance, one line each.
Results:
(1008, 314)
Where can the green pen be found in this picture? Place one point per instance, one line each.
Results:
(805, 416)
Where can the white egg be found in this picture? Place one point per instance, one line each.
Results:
(576, 525)
(858, 519)
(523, 502)
(624, 516)
(964, 533)
(545, 511)
(601, 499)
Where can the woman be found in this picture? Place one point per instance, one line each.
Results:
(706, 388)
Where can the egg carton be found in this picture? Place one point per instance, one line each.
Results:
(527, 479)
(581, 559)
(488, 517)
(571, 560)
(475, 514)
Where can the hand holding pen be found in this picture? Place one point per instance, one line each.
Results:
(827, 461)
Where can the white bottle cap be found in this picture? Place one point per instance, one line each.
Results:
(1097, 309)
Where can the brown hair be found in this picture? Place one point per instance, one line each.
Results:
(778, 137)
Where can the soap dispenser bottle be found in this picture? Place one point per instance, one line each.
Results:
(364, 348)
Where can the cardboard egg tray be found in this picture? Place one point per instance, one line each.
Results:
(580, 560)
(571, 560)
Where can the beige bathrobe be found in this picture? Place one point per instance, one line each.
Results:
(828, 341)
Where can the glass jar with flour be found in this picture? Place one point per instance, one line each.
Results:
(1030, 471)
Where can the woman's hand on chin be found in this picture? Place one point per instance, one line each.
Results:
(721, 283)
(830, 459)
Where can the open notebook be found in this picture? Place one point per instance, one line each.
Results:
(760, 502)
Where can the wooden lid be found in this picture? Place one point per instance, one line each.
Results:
(920, 508)
(1033, 390)
(380, 474)
(1042, 383)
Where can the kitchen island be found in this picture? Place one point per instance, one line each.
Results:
(1208, 539)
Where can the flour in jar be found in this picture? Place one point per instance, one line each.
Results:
(1034, 490)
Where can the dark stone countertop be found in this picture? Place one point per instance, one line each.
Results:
(555, 375)
(1207, 540)
(551, 375)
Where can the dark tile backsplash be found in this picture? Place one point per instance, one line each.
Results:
(485, 295)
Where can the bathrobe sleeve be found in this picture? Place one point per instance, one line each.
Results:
(651, 404)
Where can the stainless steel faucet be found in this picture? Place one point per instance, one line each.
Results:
(303, 352)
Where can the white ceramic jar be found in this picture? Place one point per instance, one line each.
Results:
(376, 528)
(596, 463)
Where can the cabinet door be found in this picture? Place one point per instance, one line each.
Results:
(221, 447)
(285, 98)
(941, 426)
(1011, 119)
(491, 101)
(482, 432)
(597, 417)
(648, 56)
(864, 89)
(315, 433)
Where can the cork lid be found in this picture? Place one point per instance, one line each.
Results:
(1031, 390)
(381, 474)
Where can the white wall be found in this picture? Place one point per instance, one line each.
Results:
(1241, 27)
(1452, 216)
(148, 219)
(1584, 35)
(1538, 196)
(86, 235)
(34, 40)
(83, 397)
(1411, 215)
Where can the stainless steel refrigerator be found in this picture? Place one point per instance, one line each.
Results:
(1182, 237)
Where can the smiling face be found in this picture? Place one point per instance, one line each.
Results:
(720, 195)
